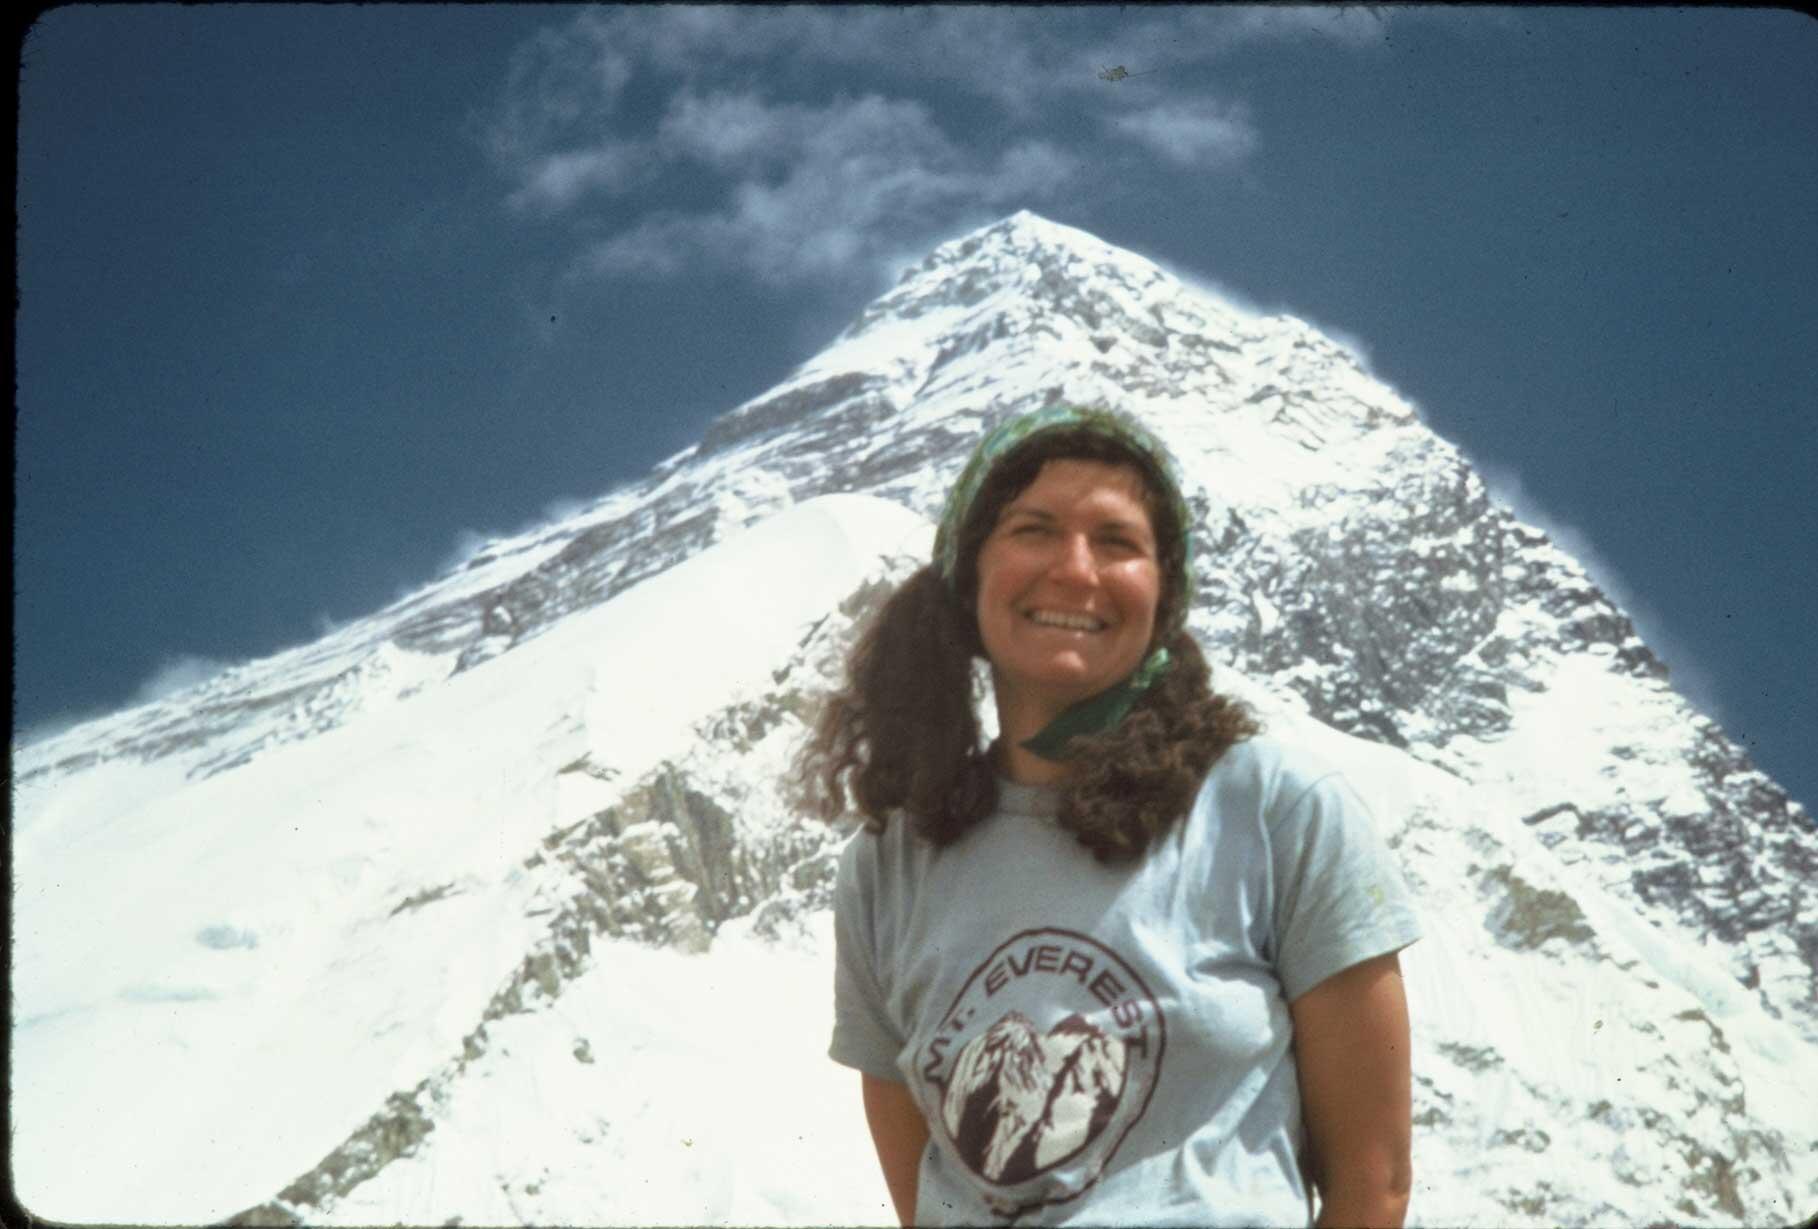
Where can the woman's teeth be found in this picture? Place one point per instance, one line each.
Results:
(1081, 623)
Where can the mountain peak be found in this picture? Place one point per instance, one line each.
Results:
(1025, 229)
(1027, 272)
(1021, 238)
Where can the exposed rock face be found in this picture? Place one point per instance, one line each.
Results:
(1352, 565)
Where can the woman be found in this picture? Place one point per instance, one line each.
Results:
(1132, 963)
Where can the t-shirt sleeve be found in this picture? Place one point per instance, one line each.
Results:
(863, 1034)
(1339, 898)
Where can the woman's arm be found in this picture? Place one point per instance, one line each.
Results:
(1351, 1052)
(900, 1133)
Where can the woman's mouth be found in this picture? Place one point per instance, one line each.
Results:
(1069, 622)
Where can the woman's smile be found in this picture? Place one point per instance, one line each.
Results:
(1067, 622)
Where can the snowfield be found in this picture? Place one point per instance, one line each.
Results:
(181, 945)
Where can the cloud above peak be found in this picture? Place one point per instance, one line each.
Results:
(802, 143)
(840, 201)
(1191, 132)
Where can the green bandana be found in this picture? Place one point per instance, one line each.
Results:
(1008, 435)
(1107, 709)
(1104, 711)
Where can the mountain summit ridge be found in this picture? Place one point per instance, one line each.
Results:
(502, 594)
(1582, 831)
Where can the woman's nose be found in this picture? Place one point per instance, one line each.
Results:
(1074, 562)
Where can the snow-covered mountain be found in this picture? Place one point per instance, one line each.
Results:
(493, 905)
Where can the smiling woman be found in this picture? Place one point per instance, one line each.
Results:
(1132, 961)
(1067, 590)
(1059, 513)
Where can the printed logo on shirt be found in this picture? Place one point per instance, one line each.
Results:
(1046, 1059)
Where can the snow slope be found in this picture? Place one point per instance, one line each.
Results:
(333, 918)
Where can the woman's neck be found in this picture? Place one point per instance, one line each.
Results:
(1025, 767)
(1016, 724)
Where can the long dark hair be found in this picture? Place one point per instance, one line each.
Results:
(903, 733)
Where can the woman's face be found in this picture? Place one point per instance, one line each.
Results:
(1068, 584)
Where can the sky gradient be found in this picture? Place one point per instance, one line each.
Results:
(313, 299)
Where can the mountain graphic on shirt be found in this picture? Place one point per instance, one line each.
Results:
(1019, 1102)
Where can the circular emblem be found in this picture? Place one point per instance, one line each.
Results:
(1046, 1059)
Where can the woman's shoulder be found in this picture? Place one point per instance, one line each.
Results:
(1289, 759)
(1273, 769)
(860, 880)
(873, 854)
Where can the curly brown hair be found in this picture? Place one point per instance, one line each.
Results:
(903, 733)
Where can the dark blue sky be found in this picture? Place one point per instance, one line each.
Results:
(310, 296)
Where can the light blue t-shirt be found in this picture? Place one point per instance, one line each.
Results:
(1111, 1044)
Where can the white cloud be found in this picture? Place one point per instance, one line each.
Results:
(561, 88)
(558, 180)
(176, 674)
(731, 130)
(1013, 57)
(1351, 24)
(1191, 132)
(467, 544)
(874, 127)
(854, 177)
(611, 119)
(656, 247)
(1034, 169)
(561, 508)
(685, 37)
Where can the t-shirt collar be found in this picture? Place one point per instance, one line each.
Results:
(1041, 801)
